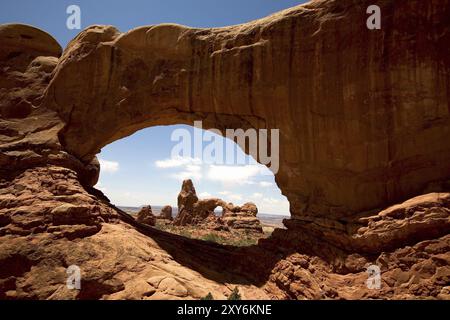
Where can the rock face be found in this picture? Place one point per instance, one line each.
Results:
(191, 210)
(146, 216)
(186, 200)
(50, 200)
(362, 115)
(420, 218)
(242, 218)
(347, 144)
(361, 146)
(166, 213)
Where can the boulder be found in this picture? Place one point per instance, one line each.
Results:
(146, 216)
(166, 213)
(242, 217)
(250, 209)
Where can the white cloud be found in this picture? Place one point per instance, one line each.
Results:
(191, 167)
(205, 195)
(230, 196)
(233, 174)
(274, 205)
(177, 162)
(271, 201)
(108, 166)
(195, 168)
(190, 172)
(265, 184)
(236, 197)
(257, 195)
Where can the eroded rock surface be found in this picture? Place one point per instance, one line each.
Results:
(166, 213)
(193, 211)
(146, 216)
(186, 200)
(51, 200)
(242, 217)
(363, 117)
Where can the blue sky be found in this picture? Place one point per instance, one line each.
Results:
(138, 169)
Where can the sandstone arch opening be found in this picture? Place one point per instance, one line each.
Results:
(235, 203)
(362, 114)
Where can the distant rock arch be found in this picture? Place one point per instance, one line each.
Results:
(194, 211)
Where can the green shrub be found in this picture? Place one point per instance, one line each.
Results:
(244, 242)
(209, 296)
(185, 233)
(235, 295)
(212, 237)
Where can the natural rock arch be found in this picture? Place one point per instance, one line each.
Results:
(351, 138)
(363, 118)
(201, 212)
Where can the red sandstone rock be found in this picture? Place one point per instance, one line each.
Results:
(201, 212)
(358, 133)
(242, 217)
(166, 213)
(186, 200)
(146, 216)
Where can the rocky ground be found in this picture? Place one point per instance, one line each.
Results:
(121, 258)
(233, 237)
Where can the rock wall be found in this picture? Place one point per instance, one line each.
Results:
(363, 115)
